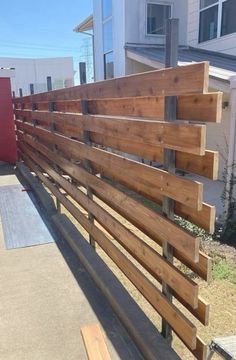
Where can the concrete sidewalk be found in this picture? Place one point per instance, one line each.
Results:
(46, 296)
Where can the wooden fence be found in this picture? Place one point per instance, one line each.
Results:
(84, 133)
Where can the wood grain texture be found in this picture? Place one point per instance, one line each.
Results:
(141, 178)
(193, 107)
(131, 206)
(205, 165)
(204, 218)
(142, 252)
(181, 137)
(94, 342)
(180, 324)
(186, 79)
(151, 223)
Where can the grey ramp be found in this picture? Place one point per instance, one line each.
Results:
(21, 222)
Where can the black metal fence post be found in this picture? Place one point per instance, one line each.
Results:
(171, 60)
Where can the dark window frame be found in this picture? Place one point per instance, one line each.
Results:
(161, 3)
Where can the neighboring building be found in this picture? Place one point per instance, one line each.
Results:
(129, 37)
(24, 72)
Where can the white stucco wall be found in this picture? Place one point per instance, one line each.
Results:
(118, 10)
(225, 44)
(136, 21)
(35, 71)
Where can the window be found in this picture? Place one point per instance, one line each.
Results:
(107, 36)
(228, 17)
(205, 3)
(106, 9)
(208, 24)
(217, 18)
(108, 66)
(157, 14)
(107, 25)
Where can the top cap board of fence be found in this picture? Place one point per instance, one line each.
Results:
(180, 80)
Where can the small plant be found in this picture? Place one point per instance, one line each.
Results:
(224, 270)
(194, 229)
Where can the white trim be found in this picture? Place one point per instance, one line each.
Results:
(218, 3)
(166, 3)
(219, 77)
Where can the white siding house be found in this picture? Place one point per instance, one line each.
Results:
(221, 36)
(129, 37)
(36, 71)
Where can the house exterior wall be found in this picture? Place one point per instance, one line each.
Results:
(36, 71)
(225, 44)
(118, 11)
(135, 67)
(135, 21)
(218, 140)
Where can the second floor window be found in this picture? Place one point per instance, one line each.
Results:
(217, 18)
(157, 14)
(107, 25)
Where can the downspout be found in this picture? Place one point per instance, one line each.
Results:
(232, 146)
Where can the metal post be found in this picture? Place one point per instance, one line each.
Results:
(171, 60)
(82, 73)
(31, 89)
(87, 165)
(49, 83)
(53, 127)
(20, 92)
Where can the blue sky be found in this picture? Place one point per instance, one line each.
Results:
(43, 28)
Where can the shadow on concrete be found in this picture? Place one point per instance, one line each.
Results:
(114, 330)
(117, 334)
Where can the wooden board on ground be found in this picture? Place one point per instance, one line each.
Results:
(94, 342)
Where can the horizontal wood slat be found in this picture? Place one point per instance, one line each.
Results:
(180, 324)
(193, 107)
(205, 165)
(181, 137)
(141, 178)
(186, 79)
(204, 218)
(118, 127)
(151, 223)
(143, 253)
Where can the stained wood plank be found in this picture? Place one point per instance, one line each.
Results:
(150, 222)
(181, 137)
(186, 79)
(121, 201)
(200, 353)
(205, 165)
(194, 107)
(94, 342)
(140, 177)
(204, 218)
(143, 253)
(206, 107)
(180, 324)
